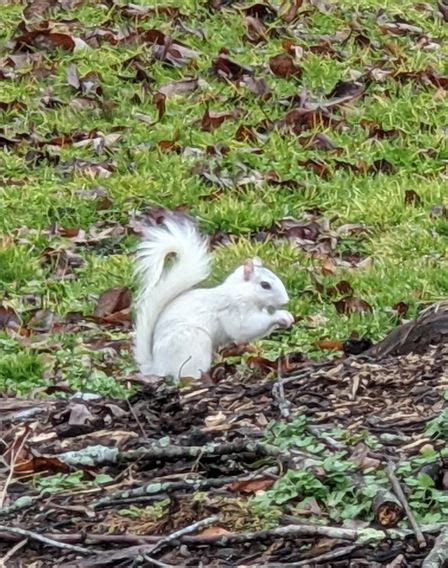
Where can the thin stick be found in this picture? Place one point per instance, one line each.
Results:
(157, 488)
(278, 393)
(344, 551)
(439, 553)
(11, 468)
(136, 418)
(404, 502)
(291, 530)
(155, 562)
(11, 552)
(45, 540)
(186, 530)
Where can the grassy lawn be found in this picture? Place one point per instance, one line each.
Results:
(83, 155)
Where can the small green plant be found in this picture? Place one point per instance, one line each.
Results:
(296, 485)
(292, 435)
(60, 482)
(153, 512)
(438, 427)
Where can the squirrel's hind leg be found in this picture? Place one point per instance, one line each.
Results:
(184, 352)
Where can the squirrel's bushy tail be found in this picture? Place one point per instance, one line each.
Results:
(159, 285)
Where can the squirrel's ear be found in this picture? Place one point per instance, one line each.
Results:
(257, 261)
(248, 269)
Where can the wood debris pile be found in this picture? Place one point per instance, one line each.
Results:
(168, 446)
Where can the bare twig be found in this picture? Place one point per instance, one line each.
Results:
(141, 552)
(156, 452)
(438, 556)
(136, 418)
(101, 455)
(12, 466)
(278, 393)
(288, 531)
(48, 541)
(186, 530)
(332, 555)
(11, 552)
(184, 484)
(303, 530)
(404, 502)
(155, 562)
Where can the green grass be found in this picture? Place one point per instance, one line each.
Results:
(407, 246)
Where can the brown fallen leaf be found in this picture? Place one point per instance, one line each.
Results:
(361, 458)
(261, 11)
(217, 150)
(135, 11)
(37, 9)
(443, 9)
(227, 69)
(401, 309)
(251, 486)
(346, 90)
(8, 318)
(212, 120)
(246, 133)
(352, 305)
(80, 415)
(377, 132)
(257, 86)
(168, 51)
(213, 531)
(329, 345)
(318, 142)
(411, 197)
(158, 100)
(90, 169)
(90, 84)
(35, 464)
(255, 30)
(289, 9)
(320, 168)
(381, 166)
(73, 77)
(178, 88)
(327, 266)
(169, 146)
(261, 363)
(44, 321)
(299, 119)
(283, 65)
(111, 301)
(44, 40)
(12, 105)
(273, 178)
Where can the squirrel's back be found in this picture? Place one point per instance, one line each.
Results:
(177, 240)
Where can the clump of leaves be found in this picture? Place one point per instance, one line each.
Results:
(438, 427)
(293, 434)
(150, 513)
(61, 482)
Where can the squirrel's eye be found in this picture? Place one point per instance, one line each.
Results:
(265, 285)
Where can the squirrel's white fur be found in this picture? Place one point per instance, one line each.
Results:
(177, 327)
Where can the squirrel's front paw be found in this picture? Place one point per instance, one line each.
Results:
(284, 319)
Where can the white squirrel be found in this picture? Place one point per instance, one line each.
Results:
(178, 328)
